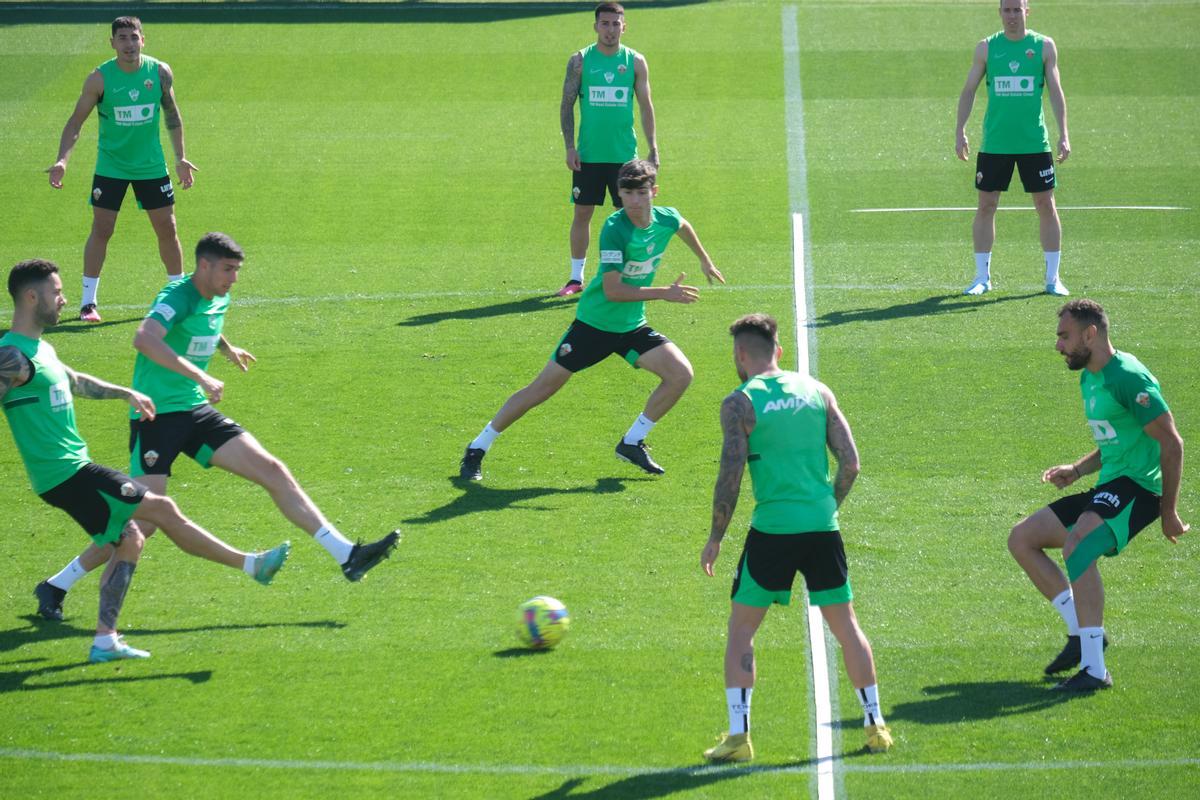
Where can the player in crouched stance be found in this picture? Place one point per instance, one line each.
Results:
(781, 424)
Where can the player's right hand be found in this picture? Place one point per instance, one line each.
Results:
(214, 389)
(142, 404)
(708, 556)
(1061, 476)
(962, 147)
(573, 162)
(678, 293)
(57, 170)
(1173, 527)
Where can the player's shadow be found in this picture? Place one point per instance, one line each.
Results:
(521, 652)
(27, 680)
(930, 306)
(77, 326)
(477, 497)
(523, 306)
(952, 703)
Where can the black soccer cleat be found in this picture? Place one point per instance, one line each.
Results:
(470, 468)
(365, 556)
(1070, 656)
(50, 599)
(1084, 681)
(638, 455)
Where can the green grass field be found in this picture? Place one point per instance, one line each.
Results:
(395, 174)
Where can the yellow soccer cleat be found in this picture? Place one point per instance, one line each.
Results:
(879, 738)
(731, 748)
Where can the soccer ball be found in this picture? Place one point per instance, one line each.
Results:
(542, 622)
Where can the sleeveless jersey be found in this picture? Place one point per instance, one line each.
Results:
(42, 417)
(193, 331)
(1015, 123)
(1119, 401)
(606, 107)
(129, 144)
(789, 465)
(635, 253)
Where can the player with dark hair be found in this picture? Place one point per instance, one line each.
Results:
(37, 391)
(130, 93)
(611, 318)
(1139, 455)
(782, 423)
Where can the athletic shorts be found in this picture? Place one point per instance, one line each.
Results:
(151, 193)
(994, 172)
(100, 499)
(590, 182)
(155, 444)
(770, 562)
(1126, 506)
(583, 346)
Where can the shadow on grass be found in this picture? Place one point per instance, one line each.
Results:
(520, 652)
(524, 306)
(930, 306)
(967, 702)
(18, 680)
(478, 497)
(76, 326)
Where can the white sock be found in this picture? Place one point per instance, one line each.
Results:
(485, 438)
(338, 546)
(106, 641)
(577, 269)
(869, 697)
(90, 287)
(738, 701)
(1091, 647)
(1064, 604)
(249, 564)
(639, 430)
(1052, 259)
(172, 278)
(983, 267)
(70, 573)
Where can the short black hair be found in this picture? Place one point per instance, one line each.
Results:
(214, 246)
(28, 273)
(763, 329)
(1086, 312)
(637, 174)
(126, 22)
(609, 8)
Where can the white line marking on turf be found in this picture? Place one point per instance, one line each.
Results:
(1019, 208)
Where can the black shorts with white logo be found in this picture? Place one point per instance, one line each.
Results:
(583, 346)
(994, 172)
(151, 193)
(1121, 502)
(100, 499)
(590, 182)
(199, 432)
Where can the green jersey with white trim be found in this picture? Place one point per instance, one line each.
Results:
(129, 146)
(606, 134)
(42, 417)
(1014, 123)
(1119, 401)
(193, 331)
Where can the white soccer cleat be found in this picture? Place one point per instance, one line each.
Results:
(1057, 289)
(979, 287)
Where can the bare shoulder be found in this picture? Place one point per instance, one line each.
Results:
(165, 76)
(575, 62)
(737, 412)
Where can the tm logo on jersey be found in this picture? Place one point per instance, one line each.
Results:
(133, 115)
(793, 403)
(608, 96)
(60, 396)
(636, 269)
(1102, 430)
(202, 346)
(1013, 85)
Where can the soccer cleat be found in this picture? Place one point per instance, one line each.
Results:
(879, 738)
(638, 455)
(268, 563)
(470, 468)
(89, 313)
(98, 655)
(1084, 681)
(979, 287)
(1069, 657)
(50, 599)
(731, 748)
(572, 287)
(365, 556)
(1057, 289)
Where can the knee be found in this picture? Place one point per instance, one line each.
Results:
(1016, 538)
(131, 544)
(680, 374)
(988, 205)
(1044, 204)
(277, 476)
(103, 229)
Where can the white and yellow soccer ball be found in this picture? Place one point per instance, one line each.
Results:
(542, 622)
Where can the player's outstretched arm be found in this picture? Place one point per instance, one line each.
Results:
(93, 89)
(91, 387)
(1064, 475)
(616, 291)
(966, 99)
(150, 342)
(641, 89)
(1162, 430)
(1058, 100)
(841, 441)
(174, 122)
(15, 369)
(566, 110)
(687, 235)
(241, 358)
(737, 421)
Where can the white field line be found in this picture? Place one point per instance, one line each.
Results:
(1018, 208)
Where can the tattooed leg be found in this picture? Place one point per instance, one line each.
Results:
(112, 595)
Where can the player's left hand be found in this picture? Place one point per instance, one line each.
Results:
(1173, 527)
(142, 404)
(709, 556)
(184, 169)
(1061, 476)
(711, 271)
(652, 157)
(242, 358)
(1064, 149)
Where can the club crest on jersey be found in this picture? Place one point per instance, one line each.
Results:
(149, 84)
(1029, 53)
(564, 350)
(150, 457)
(1014, 66)
(650, 248)
(609, 76)
(128, 489)
(1143, 399)
(621, 69)
(134, 94)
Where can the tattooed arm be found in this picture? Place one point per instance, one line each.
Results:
(566, 111)
(15, 369)
(841, 442)
(737, 420)
(174, 124)
(93, 388)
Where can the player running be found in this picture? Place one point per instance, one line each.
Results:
(611, 318)
(781, 424)
(130, 93)
(604, 77)
(37, 391)
(175, 343)
(1139, 455)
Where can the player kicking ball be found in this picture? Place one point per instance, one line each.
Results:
(611, 318)
(175, 343)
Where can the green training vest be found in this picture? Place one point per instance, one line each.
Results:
(606, 107)
(1015, 123)
(129, 144)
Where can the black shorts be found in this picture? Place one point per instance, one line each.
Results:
(590, 182)
(994, 172)
(1125, 505)
(100, 499)
(583, 346)
(151, 193)
(770, 562)
(154, 445)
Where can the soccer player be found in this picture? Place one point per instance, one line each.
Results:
(781, 424)
(175, 343)
(130, 93)
(1139, 455)
(1017, 63)
(37, 391)
(602, 76)
(611, 318)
